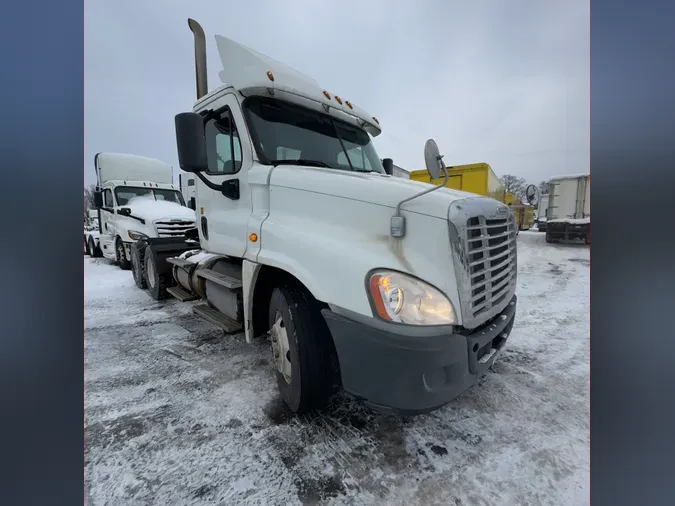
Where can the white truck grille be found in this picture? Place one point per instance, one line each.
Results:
(173, 228)
(491, 250)
(483, 244)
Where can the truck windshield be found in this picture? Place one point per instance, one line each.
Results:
(125, 193)
(287, 133)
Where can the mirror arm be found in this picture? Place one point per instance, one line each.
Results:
(433, 188)
(397, 223)
(229, 188)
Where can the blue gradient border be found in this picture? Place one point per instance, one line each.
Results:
(632, 274)
(41, 296)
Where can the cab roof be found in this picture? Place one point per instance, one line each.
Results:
(128, 167)
(253, 73)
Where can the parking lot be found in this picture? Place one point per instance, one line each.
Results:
(177, 413)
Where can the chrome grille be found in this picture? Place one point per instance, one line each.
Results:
(491, 261)
(173, 228)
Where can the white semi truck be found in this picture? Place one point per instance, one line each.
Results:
(91, 228)
(187, 188)
(400, 293)
(136, 199)
(569, 208)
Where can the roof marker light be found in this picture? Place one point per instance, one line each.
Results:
(270, 76)
(349, 104)
(375, 119)
(326, 94)
(339, 100)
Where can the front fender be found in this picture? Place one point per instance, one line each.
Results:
(332, 249)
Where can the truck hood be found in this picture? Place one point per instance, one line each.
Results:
(374, 188)
(152, 210)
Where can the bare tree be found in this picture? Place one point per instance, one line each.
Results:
(543, 187)
(514, 184)
(89, 196)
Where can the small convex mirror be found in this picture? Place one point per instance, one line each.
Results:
(433, 159)
(532, 195)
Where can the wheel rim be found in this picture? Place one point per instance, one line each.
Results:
(150, 271)
(281, 348)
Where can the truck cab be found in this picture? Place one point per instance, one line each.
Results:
(136, 199)
(400, 293)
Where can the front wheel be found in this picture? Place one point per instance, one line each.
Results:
(301, 346)
(122, 261)
(138, 265)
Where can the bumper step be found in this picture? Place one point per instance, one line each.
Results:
(181, 294)
(221, 321)
(220, 279)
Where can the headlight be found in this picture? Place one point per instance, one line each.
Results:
(401, 298)
(136, 236)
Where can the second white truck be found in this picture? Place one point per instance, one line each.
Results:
(136, 199)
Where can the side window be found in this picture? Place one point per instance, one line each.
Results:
(223, 146)
(358, 158)
(108, 199)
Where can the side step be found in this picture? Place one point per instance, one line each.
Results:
(221, 321)
(181, 294)
(179, 262)
(220, 279)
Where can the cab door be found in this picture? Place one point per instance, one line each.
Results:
(107, 227)
(223, 220)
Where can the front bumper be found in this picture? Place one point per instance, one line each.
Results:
(412, 370)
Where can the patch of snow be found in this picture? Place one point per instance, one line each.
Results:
(198, 256)
(150, 209)
(572, 221)
(178, 413)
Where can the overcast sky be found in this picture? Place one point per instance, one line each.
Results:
(499, 81)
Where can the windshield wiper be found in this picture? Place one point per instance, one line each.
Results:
(301, 161)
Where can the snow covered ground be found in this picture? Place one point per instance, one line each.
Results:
(177, 413)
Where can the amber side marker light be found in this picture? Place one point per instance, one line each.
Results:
(270, 76)
(375, 283)
(253, 237)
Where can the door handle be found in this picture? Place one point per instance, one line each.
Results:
(205, 227)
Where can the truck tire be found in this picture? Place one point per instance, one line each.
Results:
(138, 265)
(122, 261)
(94, 250)
(87, 251)
(301, 347)
(157, 283)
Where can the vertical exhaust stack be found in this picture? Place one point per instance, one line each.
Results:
(200, 58)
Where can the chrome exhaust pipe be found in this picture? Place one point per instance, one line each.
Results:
(200, 58)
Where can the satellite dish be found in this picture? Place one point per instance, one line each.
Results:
(433, 159)
(532, 194)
